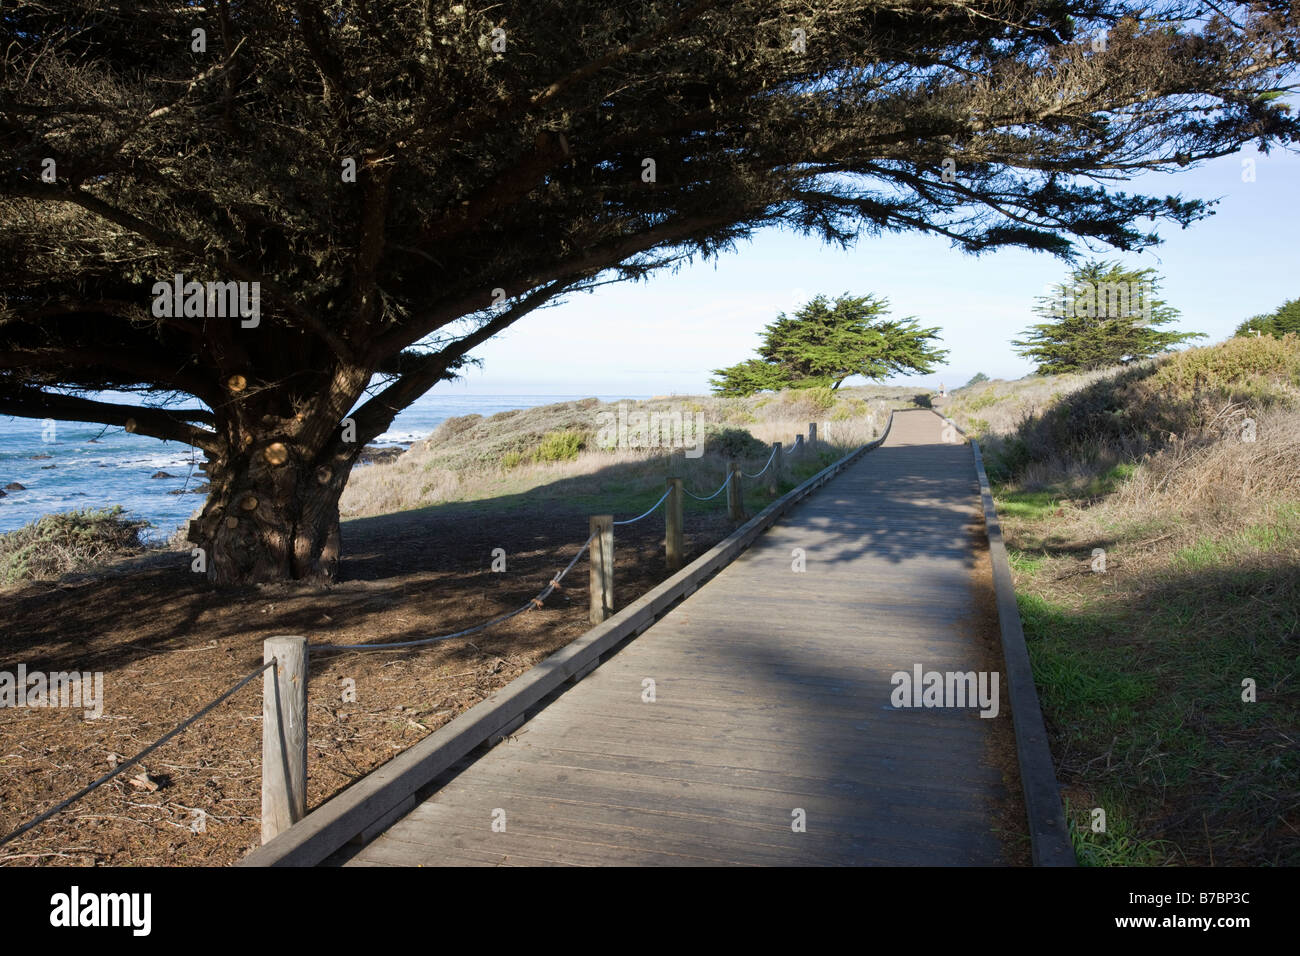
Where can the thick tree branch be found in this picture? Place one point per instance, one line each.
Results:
(155, 422)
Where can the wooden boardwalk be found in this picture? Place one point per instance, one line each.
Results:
(771, 702)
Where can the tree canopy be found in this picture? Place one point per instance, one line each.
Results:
(394, 183)
(1103, 315)
(1281, 321)
(825, 342)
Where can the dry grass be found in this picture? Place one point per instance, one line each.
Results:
(472, 458)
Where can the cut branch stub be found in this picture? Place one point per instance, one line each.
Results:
(276, 453)
(232, 522)
(130, 425)
(323, 475)
(248, 502)
(236, 383)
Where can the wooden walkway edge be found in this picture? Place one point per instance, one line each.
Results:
(1049, 836)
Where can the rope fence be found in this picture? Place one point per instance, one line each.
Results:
(770, 458)
(535, 602)
(720, 490)
(653, 508)
(90, 788)
(285, 692)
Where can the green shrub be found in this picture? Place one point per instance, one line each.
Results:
(56, 544)
(732, 443)
(821, 398)
(848, 408)
(560, 446)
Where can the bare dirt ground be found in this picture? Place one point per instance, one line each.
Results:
(167, 644)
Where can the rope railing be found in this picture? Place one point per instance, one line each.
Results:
(653, 508)
(758, 474)
(90, 788)
(715, 494)
(533, 603)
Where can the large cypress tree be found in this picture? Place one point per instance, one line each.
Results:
(403, 180)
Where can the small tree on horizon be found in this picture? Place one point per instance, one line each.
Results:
(826, 342)
(1103, 315)
(1285, 318)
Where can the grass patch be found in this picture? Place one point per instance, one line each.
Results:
(1141, 670)
(1280, 532)
(1114, 842)
(57, 544)
(1026, 504)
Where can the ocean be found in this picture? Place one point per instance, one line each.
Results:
(77, 465)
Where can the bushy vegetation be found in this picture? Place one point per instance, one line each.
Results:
(56, 544)
(1281, 321)
(466, 455)
(1145, 407)
(733, 443)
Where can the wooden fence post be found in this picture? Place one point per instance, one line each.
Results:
(284, 734)
(774, 482)
(673, 550)
(812, 434)
(797, 447)
(735, 501)
(601, 559)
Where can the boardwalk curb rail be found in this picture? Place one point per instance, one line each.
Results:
(1048, 834)
(389, 790)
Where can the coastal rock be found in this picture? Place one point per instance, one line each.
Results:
(48, 467)
(40, 457)
(380, 454)
(161, 474)
(14, 486)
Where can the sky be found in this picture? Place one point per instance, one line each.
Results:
(666, 335)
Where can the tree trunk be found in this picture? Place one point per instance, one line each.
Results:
(272, 514)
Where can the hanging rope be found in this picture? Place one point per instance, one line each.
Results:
(532, 603)
(770, 459)
(654, 507)
(712, 496)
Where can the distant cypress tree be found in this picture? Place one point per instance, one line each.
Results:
(1104, 315)
(825, 342)
(1286, 318)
